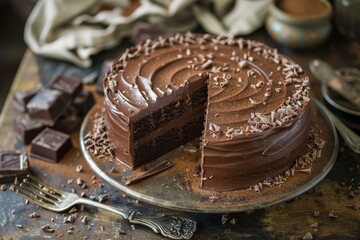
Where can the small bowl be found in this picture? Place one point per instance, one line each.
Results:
(343, 109)
(299, 31)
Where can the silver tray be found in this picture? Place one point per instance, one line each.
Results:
(177, 188)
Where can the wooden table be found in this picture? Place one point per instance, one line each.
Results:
(289, 220)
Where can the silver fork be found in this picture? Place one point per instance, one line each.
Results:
(56, 200)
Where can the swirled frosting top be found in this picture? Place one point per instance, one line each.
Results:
(252, 88)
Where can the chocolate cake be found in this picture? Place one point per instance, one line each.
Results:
(248, 104)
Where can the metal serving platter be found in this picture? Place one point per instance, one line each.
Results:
(177, 187)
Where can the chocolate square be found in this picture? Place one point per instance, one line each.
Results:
(69, 85)
(48, 105)
(50, 145)
(68, 122)
(26, 128)
(13, 164)
(83, 102)
(21, 98)
(143, 31)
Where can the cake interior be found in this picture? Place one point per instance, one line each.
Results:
(175, 123)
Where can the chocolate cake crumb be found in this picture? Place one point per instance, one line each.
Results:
(34, 215)
(333, 215)
(314, 225)
(79, 168)
(354, 206)
(47, 228)
(73, 210)
(12, 188)
(308, 236)
(114, 170)
(316, 213)
(213, 198)
(233, 221)
(224, 218)
(84, 220)
(351, 194)
(79, 181)
(103, 197)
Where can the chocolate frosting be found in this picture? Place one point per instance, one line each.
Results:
(257, 114)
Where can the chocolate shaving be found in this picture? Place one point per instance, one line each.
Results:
(308, 236)
(155, 170)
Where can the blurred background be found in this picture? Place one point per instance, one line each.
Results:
(13, 14)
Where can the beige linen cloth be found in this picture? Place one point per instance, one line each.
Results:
(73, 30)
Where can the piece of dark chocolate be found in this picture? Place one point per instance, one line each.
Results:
(68, 122)
(50, 145)
(13, 164)
(143, 31)
(68, 85)
(48, 105)
(26, 128)
(21, 98)
(106, 66)
(83, 102)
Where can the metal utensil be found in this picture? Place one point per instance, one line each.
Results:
(56, 200)
(350, 138)
(327, 75)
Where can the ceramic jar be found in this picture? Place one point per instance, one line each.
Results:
(299, 31)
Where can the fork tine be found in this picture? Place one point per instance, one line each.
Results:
(35, 200)
(30, 189)
(52, 188)
(43, 191)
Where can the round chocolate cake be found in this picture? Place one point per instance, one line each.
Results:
(248, 104)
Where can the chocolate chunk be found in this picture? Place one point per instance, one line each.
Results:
(48, 105)
(143, 31)
(83, 102)
(13, 164)
(50, 145)
(26, 128)
(106, 66)
(21, 98)
(69, 85)
(68, 122)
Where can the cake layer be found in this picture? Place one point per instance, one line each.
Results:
(256, 120)
(183, 108)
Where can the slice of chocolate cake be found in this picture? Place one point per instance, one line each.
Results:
(249, 101)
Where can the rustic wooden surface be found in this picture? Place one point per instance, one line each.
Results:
(289, 220)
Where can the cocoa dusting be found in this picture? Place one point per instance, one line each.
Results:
(303, 8)
(157, 169)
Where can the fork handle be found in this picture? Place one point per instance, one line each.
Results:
(169, 226)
